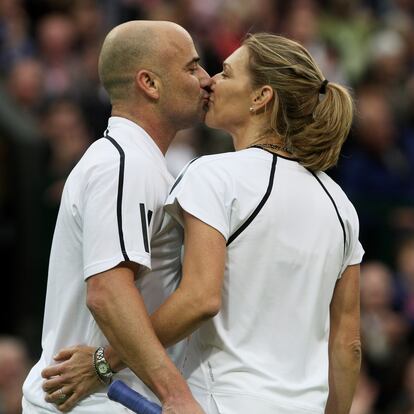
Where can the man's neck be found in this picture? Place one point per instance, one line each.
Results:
(161, 133)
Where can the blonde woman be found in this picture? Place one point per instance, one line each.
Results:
(271, 265)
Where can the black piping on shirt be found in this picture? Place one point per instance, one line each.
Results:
(260, 206)
(149, 217)
(179, 178)
(120, 192)
(144, 226)
(336, 208)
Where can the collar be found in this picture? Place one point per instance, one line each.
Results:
(137, 133)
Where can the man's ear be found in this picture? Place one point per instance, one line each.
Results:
(262, 97)
(147, 82)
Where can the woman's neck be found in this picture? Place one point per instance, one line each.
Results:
(253, 135)
(245, 136)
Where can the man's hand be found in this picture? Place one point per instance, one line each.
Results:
(72, 378)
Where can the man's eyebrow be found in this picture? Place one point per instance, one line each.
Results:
(193, 60)
(226, 65)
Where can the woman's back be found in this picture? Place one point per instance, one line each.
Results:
(290, 234)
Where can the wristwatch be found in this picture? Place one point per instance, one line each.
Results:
(102, 367)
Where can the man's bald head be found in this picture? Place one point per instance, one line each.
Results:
(132, 46)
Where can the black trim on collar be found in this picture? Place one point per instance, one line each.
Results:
(179, 178)
(273, 153)
(261, 204)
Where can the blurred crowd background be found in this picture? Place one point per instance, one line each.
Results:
(52, 108)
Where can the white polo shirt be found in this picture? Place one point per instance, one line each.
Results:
(111, 211)
(290, 235)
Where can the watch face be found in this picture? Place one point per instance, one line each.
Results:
(102, 368)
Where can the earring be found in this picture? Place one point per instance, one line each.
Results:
(251, 109)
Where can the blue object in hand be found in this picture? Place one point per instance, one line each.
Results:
(120, 392)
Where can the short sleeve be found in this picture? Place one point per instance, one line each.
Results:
(203, 191)
(354, 251)
(118, 202)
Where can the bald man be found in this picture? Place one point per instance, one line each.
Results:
(115, 255)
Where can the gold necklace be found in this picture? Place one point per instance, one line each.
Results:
(272, 146)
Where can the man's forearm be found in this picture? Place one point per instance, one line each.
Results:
(121, 314)
(344, 367)
(179, 316)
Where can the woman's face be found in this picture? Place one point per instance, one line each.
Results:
(231, 95)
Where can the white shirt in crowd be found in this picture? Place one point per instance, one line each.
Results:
(111, 211)
(290, 236)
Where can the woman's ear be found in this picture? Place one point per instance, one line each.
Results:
(261, 98)
(147, 82)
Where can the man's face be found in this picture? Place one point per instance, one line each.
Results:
(184, 96)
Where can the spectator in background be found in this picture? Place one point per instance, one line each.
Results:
(14, 366)
(383, 331)
(404, 401)
(378, 173)
(388, 70)
(302, 24)
(67, 138)
(405, 272)
(15, 41)
(347, 26)
(383, 160)
(89, 94)
(25, 85)
(56, 40)
(89, 25)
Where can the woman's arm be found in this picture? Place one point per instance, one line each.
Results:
(198, 296)
(344, 342)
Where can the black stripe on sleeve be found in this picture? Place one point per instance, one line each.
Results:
(334, 204)
(120, 191)
(144, 226)
(260, 206)
(179, 178)
(149, 217)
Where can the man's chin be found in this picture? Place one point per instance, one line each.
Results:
(203, 112)
(209, 120)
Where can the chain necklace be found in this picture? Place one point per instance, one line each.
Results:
(272, 146)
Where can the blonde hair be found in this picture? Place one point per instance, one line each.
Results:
(313, 129)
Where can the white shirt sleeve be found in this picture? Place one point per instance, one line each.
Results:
(116, 212)
(205, 194)
(354, 251)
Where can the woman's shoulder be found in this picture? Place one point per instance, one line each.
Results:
(336, 191)
(225, 159)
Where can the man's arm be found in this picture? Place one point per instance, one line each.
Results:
(120, 312)
(344, 342)
(196, 299)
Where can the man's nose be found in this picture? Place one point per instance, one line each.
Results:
(205, 80)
